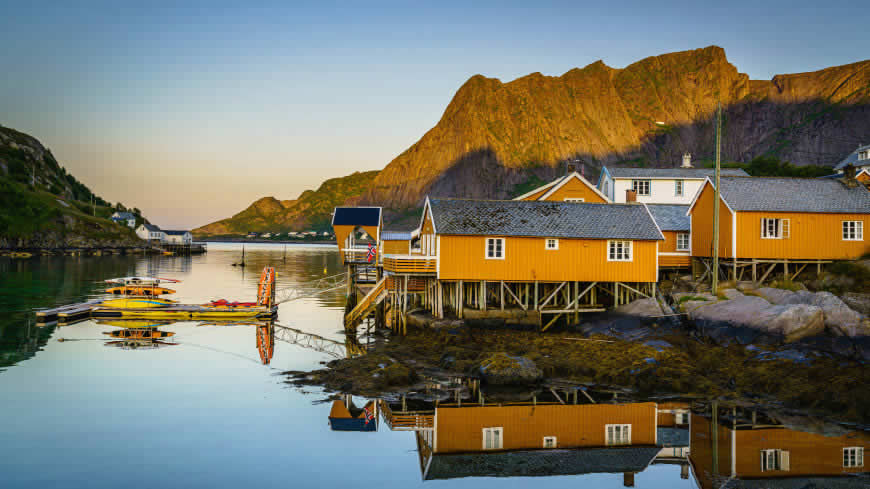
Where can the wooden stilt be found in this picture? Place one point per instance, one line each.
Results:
(501, 295)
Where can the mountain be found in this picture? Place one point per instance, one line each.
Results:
(311, 211)
(43, 206)
(495, 139)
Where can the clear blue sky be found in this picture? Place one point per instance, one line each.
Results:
(191, 113)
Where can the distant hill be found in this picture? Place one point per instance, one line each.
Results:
(495, 139)
(43, 206)
(311, 211)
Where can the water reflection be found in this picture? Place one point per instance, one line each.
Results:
(137, 334)
(346, 416)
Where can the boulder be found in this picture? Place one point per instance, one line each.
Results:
(775, 296)
(839, 317)
(731, 293)
(857, 301)
(504, 369)
(641, 307)
(793, 321)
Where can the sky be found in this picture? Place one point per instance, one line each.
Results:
(191, 111)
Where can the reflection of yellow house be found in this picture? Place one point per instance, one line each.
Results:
(773, 457)
(570, 188)
(530, 440)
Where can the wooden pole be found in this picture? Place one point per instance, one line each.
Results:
(715, 285)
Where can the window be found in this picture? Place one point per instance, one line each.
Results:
(495, 248)
(682, 418)
(552, 244)
(492, 439)
(864, 155)
(774, 460)
(775, 228)
(853, 457)
(550, 442)
(641, 187)
(618, 434)
(619, 251)
(575, 199)
(853, 230)
(678, 188)
(682, 241)
(606, 187)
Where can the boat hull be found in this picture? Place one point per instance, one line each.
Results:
(133, 290)
(184, 312)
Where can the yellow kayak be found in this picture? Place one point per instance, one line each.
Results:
(137, 303)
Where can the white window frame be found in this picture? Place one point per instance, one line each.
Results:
(686, 245)
(551, 244)
(681, 418)
(574, 199)
(775, 460)
(553, 442)
(853, 230)
(628, 256)
(486, 248)
(623, 438)
(636, 184)
(853, 457)
(679, 188)
(490, 430)
(775, 228)
(606, 188)
(864, 155)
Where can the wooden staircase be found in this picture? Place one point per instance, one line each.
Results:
(367, 304)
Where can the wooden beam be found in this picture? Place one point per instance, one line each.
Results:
(587, 395)
(799, 270)
(514, 296)
(576, 303)
(772, 265)
(634, 290)
(501, 295)
(557, 316)
(557, 396)
(553, 294)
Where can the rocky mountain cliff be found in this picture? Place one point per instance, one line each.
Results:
(43, 206)
(495, 137)
(311, 211)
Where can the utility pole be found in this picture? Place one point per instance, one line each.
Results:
(715, 287)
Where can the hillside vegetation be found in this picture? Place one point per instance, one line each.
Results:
(43, 206)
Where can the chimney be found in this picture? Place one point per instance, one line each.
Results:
(849, 176)
(583, 170)
(630, 195)
(687, 160)
(628, 479)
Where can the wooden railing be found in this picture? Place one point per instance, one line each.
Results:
(373, 298)
(407, 420)
(410, 264)
(357, 254)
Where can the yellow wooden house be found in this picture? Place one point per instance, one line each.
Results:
(571, 188)
(676, 228)
(355, 228)
(771, 221)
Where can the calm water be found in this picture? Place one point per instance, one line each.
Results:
(201, 409)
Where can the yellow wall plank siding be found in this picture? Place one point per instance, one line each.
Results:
(702, 226)
(809, 453)
(811, 237)
(526, 259)
(460, 429)
(397, 247)
(667, 250)
(574, 189)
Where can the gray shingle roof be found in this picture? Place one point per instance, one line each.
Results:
(684, 173)
(174, 233)
(395, 235)
(532, 463)
(852, 159)
(151, 227)
(670, 217)
(543, 219)
(356, 216)
(783, 194)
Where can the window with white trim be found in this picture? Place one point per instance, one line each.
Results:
(641, 187)
(574, 199)
(682, 418)
(774, 460)
(864, 155)
(552, 244)
(618, 434)
(853, 230)
(853, 457)
(775, 228)
(606, 189)
(550, 442)
(492, 438)
(495, 248)
(682, 241)
(619, 251)
(678, 188)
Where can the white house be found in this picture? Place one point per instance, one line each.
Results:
(178, 237)
(150, 232)
(658, 185)
(124, 218)
(860, 158)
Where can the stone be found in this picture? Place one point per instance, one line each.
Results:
(774, 296)
(731, 293)
(504, 369)
(857, 301)
(793, 321)
(839, 317)
(641, 307)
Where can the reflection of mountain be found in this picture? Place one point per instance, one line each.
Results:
(745, 454)
(19, 344)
